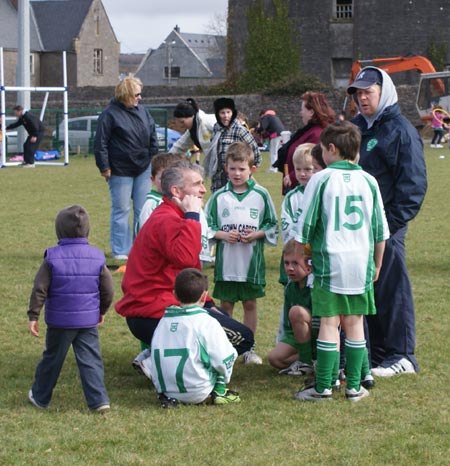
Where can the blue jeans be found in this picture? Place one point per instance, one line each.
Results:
(123, 189)
(89, 360)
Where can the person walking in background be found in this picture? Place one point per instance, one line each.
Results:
(270, 126)
(316, 114)
(125, 142)
(437, 124)
(392, 151)
(35, 129)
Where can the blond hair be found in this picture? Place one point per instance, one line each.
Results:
(125, 91)
(303, 153)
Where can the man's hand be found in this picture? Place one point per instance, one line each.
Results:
(189, 203)
(33, 139)
(106, 174)
(33, 325)
(101, 320)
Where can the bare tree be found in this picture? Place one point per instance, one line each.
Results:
(217, 25)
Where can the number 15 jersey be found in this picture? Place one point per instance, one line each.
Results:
(343, 217)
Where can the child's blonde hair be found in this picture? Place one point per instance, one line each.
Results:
(303, 153)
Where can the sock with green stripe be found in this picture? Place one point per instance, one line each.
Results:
(326, 358)
(355, 352)
(220, 386)
(304, 351)
(365, 370)
(335, 375)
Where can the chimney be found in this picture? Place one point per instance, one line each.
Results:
(177, 28)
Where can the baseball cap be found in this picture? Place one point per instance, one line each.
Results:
(365, 79)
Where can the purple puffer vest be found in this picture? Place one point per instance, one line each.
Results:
(73, 299)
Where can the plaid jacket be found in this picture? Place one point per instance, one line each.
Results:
(233, 133)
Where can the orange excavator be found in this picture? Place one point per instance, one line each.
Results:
(434, 87)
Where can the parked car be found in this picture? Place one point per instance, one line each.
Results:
(82, 132)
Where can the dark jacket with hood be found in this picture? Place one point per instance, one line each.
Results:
(30, 122)
(392, 151)
(73, 280)
(125, 140)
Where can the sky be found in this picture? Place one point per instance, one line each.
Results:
(143, 24)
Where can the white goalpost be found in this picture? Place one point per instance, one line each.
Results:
(47, 90)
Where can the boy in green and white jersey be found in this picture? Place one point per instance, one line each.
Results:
(343, 219)
(241, 217)
(192, 358)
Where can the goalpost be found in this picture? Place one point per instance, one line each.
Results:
(47, 90)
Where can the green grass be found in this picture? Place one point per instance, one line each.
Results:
(404, 421)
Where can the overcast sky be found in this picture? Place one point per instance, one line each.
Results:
(143, 24)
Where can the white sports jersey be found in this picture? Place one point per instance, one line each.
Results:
(189, 350)
(342, 218)
(227, 210)
(290, 212)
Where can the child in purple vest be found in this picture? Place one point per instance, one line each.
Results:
(77, 290)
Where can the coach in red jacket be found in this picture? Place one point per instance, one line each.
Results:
(169, 242)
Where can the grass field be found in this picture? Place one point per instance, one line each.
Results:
(405, 420)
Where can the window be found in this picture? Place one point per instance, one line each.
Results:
(80, 125)
(344, 9)
(31, 64)
(174, 72)
(98, 61)
(97, 21)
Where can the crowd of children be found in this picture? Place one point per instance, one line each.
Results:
(333, 229)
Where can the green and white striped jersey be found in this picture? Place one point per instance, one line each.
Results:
(254, 209)
(189, 350)
(343, 216)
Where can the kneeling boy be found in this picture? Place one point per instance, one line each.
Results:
(293, 354)
(192, 358)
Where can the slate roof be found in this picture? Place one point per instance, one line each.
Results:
(59, 21)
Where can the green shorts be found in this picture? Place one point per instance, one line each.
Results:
(289, 339)
(328, 304)
(238, 291)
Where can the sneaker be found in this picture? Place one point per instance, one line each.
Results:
(228, 397)
(342, 376)
(297, 368)
(167, 402)
(336, 386)
(102, 409)
(272, 170)
(355, 395)
(143, 363)
(121, 257)
(28, 165)
(404, 366)
(368, 382)
(250, 357)
(34, 402)
(311, 394)
(439, 146)
(433, 146)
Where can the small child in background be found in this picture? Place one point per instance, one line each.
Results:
(192, 358)
(317, 159)
(241, 218)
(293, 354)
(344, 221)
(159, 163)
(77, 290)
(437, 124)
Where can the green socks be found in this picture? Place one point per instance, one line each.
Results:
(304, 352)
(356, 354)
(220, 386)
(327, 355)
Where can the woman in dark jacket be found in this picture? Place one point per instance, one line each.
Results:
(316, 114)
(125, 142)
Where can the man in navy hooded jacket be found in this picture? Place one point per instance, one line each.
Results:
(391, 151)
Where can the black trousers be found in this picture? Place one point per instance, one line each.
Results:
(240, 336)
(30, 148)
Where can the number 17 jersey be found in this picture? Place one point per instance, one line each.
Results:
(343, 217)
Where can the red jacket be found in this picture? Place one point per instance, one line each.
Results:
(167, 243)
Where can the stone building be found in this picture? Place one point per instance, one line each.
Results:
(80, 27)
(334, 33)
(185, 59)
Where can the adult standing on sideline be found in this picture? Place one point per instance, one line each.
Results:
(198, 127)
(125, 142)
(35, 129)
(270, 126)
(391, 151)
(169, 242)
(316, 114)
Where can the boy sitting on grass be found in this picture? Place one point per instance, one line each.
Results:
(192, 358)
(241, 218)
(343, 219)
(293, 354)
